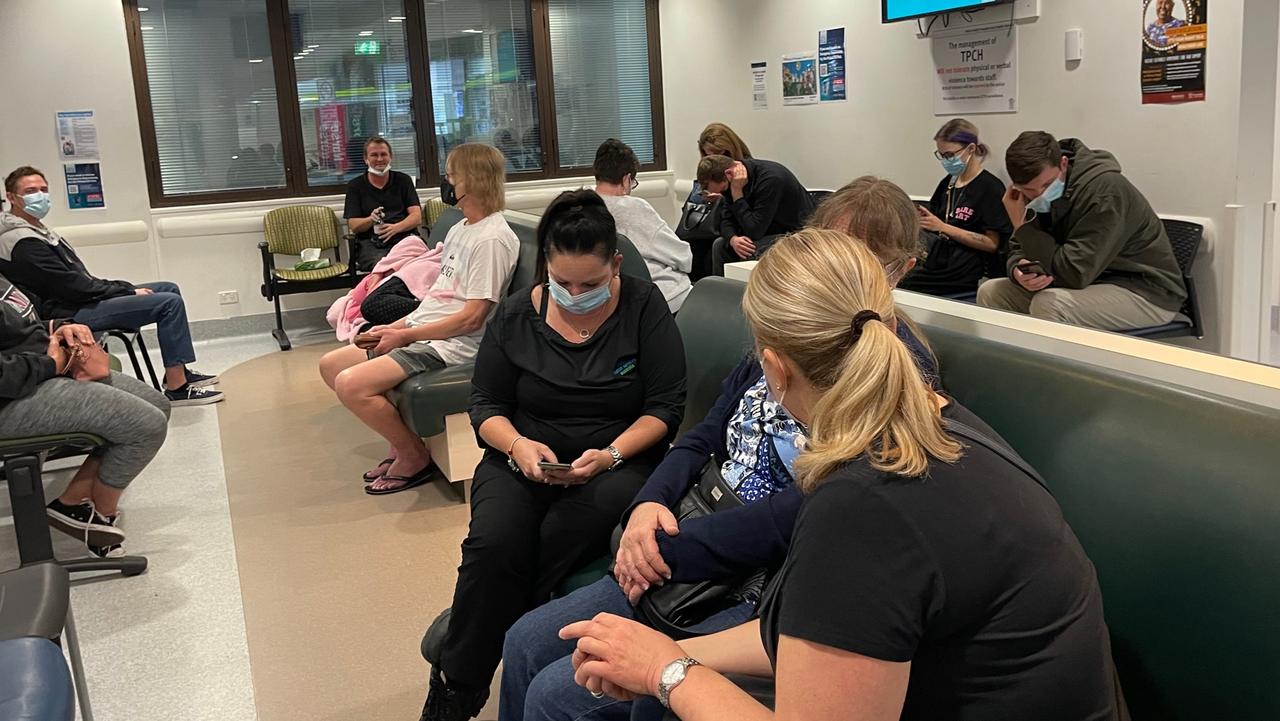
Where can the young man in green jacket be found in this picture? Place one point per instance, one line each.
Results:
(1087, 248)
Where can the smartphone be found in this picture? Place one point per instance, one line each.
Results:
(554, 466)
(366, 341)
(1031, 268)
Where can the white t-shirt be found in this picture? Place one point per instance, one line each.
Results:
(668, 258)
(477, 264)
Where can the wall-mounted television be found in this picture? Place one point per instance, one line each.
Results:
(895, 10)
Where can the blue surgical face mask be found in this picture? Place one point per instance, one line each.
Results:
(582, 303)
(954, 166)
(1050, 194)
(36, 204)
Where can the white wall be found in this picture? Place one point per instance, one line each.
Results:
(1183, 157)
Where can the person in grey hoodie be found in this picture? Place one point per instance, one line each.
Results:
(43, 264)
(38, 398)
(1087, 248)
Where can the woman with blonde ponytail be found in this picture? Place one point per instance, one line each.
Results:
(931, 574)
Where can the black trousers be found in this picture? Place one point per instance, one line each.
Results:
(722, 252)
(525, 538)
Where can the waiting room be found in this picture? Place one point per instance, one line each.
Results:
(640, 359)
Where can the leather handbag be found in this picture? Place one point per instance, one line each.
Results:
(86, 362)
(699, 220)
(675, 608)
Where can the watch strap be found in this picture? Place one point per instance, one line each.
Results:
(617, 457)
(664, 690)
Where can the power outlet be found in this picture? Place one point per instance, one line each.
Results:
(229, 297)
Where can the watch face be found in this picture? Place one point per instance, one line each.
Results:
(673, 673)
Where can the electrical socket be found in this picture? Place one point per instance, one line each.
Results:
(228, 297)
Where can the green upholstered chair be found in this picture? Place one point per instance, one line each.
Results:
(288, 231)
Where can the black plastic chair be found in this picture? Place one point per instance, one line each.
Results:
(1185, 238)
(130, 336)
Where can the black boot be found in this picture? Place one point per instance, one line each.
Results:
(451, 701)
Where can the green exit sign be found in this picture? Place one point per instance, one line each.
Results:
(368, 47)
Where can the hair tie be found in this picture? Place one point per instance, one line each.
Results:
(860, 320)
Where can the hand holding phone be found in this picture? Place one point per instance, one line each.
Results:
(1031, 267)
(366, 341)
(544, 465)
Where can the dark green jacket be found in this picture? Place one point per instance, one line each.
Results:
(1102, 230)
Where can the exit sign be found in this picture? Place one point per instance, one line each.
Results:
(368, 47)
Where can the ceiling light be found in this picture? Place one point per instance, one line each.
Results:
(395, 20)
(143, 10)
(256, 102)
(148, 27)
(365, 33)
(235, 157)
(312, 47)
(255, 60)
(474, 31)
(299, 57)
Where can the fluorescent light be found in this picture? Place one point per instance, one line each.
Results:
(143, 10)
(299, 57)
(256, 102)
(255, 60)
(148, 27)
(365, 33)
(395, 20)
(235, 157)
(312, 47)
(473, 31)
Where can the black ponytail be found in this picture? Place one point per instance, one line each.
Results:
(577, 222)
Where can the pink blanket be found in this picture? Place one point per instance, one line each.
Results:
(409, 260)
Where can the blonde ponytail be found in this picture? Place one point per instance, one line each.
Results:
(801, 301)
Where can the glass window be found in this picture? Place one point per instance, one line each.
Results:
(480, 56)
(600, 59)
(213, 95)
(352, 69)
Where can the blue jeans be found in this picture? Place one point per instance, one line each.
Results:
(131, 312)
(537, 673)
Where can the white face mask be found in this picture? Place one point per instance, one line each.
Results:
(379, 172)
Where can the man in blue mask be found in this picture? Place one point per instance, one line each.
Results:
(1087, 248)
(45, 266)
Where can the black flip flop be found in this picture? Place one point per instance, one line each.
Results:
(407, 482)
(370, 479)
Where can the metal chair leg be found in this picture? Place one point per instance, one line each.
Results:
(133, 355)
(146, 358)
(77, 667)
(281, 337)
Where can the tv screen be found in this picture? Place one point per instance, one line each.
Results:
(894, 10)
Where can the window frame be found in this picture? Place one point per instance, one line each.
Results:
(297, 184)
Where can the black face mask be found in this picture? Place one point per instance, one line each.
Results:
(448, 193)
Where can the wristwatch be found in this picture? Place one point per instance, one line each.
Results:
(617, 457)
(673, 675)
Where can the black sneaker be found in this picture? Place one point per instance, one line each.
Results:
(196, 379)
(451, 701)
(81, 521)
(115, 551)
(189, 395)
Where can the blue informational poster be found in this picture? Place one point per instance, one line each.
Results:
(831, 64)
(84, 185)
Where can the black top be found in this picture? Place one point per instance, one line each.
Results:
(395, 200)
(576, 397)
(970, 573)
(45, 266)
(772, 202)
(952, 266)
(24, 346)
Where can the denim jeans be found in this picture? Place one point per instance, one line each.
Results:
(131, 312)
(537, 674)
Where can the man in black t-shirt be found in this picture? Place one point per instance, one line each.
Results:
(382, 205)
(763, 200)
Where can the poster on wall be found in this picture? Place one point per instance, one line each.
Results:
(799, 79)
(831, 65)
(84, 185)
(1175, 40)
(976, 71)
(77, 134)
(759, 88)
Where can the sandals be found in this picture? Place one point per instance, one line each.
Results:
(406, 482)
(379, 471)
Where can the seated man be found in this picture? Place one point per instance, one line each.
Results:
(668, 258)
(382, 205)
(1092, 252)
(764, 201)
(43, 264)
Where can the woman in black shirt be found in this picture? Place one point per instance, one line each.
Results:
(966, 226)
(585, 369)
(930, 575)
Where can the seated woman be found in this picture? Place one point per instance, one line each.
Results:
(578, 389)
(479, 257)
(38, 399)
(755, 441)
(930, 576)
(966, 221)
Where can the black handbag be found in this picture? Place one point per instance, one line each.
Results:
(699, 220)
(674, 608)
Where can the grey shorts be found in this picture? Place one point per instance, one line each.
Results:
(417, 358)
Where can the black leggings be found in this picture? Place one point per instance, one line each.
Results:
(525, 539)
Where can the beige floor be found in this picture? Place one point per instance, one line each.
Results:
(338, 585)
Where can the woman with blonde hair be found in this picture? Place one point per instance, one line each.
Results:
(719, 139)
(931, 574)
(753, 443)
(478, 260)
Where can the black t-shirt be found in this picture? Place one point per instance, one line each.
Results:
(395, 199)
(970, 573)
(952, 266)
(579, 396)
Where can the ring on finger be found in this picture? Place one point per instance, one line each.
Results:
(597, 694)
